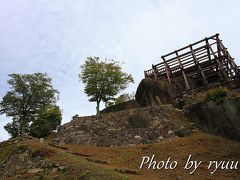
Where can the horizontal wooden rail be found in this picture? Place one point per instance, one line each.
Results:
(207, 59)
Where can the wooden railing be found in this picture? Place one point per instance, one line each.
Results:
(203, 59)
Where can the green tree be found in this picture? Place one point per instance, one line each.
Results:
(47, 121)
(120, 99)
(103, 79)
(28, 96)
(13, 128)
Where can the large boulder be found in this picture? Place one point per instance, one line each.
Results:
(152, 92)
(221, 119)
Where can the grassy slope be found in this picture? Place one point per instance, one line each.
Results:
(78, 159)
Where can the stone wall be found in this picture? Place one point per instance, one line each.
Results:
(128, 127)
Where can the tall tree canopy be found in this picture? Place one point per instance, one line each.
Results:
(103, 79)
(28, 97)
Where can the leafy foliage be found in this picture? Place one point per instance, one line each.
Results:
(120, 99)
(103, 79)
(75, 116)
(217, 94)
(48, 121)
(14, 128)
(28, 96)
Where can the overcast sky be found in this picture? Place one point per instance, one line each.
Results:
(56, 36)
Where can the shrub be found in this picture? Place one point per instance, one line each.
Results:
(217, 94)
(48, 121)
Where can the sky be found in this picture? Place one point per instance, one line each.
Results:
(56, 36)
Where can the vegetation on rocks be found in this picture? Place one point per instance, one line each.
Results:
(217, 94)
(120, 99)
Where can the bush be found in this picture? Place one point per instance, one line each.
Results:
(217, 94)
(48, 121)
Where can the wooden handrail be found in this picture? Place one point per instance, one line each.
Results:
(216, 35)
(205, 58)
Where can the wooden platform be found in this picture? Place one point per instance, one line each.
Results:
(200, 64)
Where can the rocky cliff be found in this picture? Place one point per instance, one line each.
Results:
(221, 119)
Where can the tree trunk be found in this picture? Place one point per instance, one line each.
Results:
(23, 126)
(98, 103)
(22, 130)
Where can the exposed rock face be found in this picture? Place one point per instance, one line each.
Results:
(155, 92)
(222, 119)
(135, 126)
